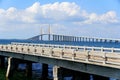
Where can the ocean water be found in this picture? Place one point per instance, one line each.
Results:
(36, 67)
(92, 44)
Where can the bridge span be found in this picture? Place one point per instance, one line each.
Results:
(93, 60)
(55, 37)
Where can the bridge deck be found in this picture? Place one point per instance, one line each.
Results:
(108, 57)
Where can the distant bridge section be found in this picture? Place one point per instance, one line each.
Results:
(54, 37)
(35, 38)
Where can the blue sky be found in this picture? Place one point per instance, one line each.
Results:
(93, 18)
(99, 6)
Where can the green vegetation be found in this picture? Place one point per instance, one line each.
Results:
(2, 74)
(17, 75)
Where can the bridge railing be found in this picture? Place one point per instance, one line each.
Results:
(92, 55)
(84, 48)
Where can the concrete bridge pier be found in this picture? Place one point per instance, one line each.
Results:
(63, 38)
(2, 62)
(13, 66)
(60, 38)
(57, 37)
(83, 39)
(44, 72)
(10, 69)
(57, 73)
(49, 37)
(80, 39)
(41, 37)
(96, 77)
(53, 38)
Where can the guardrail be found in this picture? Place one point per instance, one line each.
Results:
(93, 55)
(84, 48)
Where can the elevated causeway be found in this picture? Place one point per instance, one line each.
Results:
(93, 60)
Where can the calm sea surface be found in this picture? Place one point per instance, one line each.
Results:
(37, 66)
(95, 44)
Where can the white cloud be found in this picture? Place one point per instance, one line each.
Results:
(109, 17)
(56, 12)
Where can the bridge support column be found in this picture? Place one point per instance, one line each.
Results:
(44, 72)
(96, 77)
(10, 69)
(62, 38)
(80, 39)
(57, 73)
(29, 69)
(12, 66)
(53, 38)
(2, 62)
(41, 37)
(49, 37)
